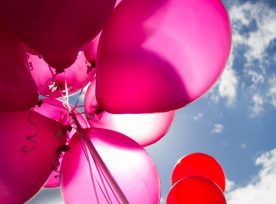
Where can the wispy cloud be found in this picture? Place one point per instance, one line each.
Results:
(198, 116)
(272, 91)
(226, 87)
(258, 105)
(262, 187)
(217, 128)
(229, 185)
(248, 72)
(260, 19)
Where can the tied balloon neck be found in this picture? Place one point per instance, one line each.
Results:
(66, 129)
(96, 115)
(59, 71)
(91, 64)
(63, 148)
(39, 103)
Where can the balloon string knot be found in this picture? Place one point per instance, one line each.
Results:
(39, 103)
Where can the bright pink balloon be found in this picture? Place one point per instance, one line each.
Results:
(128, 162)
(145, 129)
(195, 190)
(157, 56)
(199, 164)
(76, 76)
(56, 29)
(28, 153)
(18, 90)
(55, 110)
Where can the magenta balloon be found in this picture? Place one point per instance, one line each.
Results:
(76, 76)
(128, 162)
(145, 129)
(56, 29)
(55, 110)
(90, 50)
(157, 56)
(29, 143)
(18, 90)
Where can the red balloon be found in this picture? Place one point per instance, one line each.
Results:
(28, 153)
(54, 109)
(199, 164)
(157, 56)
(18, 90)
(56, 29)
(145, 129)
(195, 190)
(52, 84)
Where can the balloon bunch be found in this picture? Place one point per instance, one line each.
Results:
(199, 179)
(140, 61)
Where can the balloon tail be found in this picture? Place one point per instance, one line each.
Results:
(100, 165)
(30, 138)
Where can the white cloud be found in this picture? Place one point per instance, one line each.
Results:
(198, 116)
(253, 28)
(258, 105)
(262, 188)
(257, 40)
(217, 128)
(226, 87)
(229, 185)
(272, 91)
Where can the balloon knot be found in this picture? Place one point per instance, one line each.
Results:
(63, 148)
(58, 71)
(98, 110)
(68, 128)
(90, 66)
(39, 103)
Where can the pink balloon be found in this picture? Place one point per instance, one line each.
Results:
(29, 144)
(55, 110)
(145, 129)
(52, 84)
(157, 56)
(128, 162)
(56, 29)
(18, 90)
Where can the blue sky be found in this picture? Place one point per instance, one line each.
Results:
(235, 120)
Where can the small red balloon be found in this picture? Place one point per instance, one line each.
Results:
(195, 190)
(199, 164)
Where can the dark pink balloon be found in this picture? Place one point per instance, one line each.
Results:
(28, 153)
(157, 56)
(145, 129)
(17, 89)
(128, 162)
(52, 84)
(55, 110)
(56, 29)
(90, 50)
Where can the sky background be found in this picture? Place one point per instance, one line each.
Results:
(235, 121)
